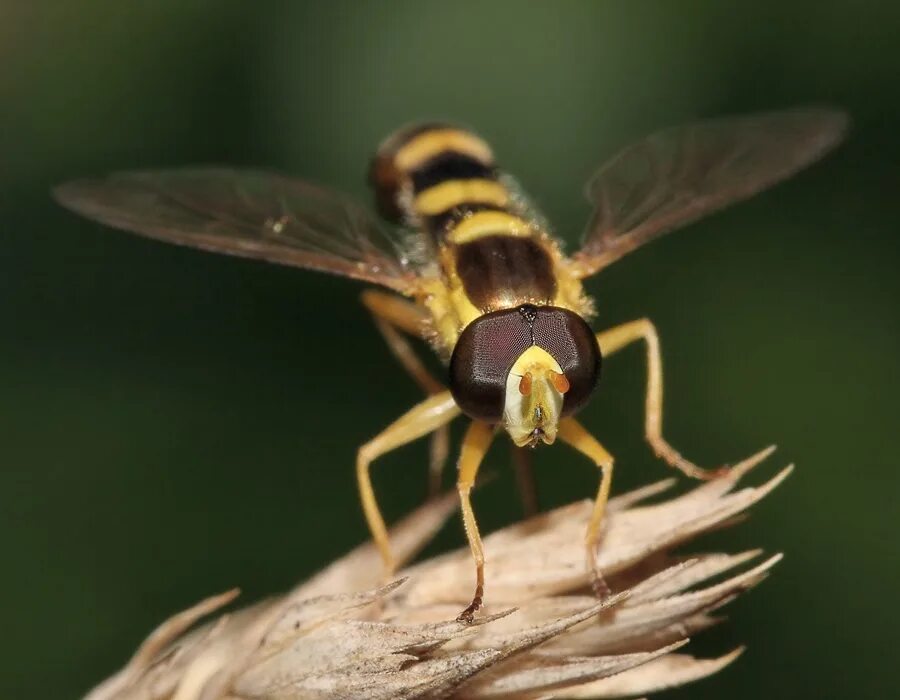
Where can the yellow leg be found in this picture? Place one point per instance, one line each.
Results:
(614, 340)
(431, 414)
(475, 445)
(438, 451)
(572, 433)
(390, 313)
(522, 463)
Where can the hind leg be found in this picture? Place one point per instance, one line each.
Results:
(615, 339)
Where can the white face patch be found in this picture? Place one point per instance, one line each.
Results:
(513, 408)
(534, 416)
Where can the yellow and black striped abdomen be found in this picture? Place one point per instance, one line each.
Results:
(444, 181)
(432, 176)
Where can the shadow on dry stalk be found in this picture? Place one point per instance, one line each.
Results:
(340, 635)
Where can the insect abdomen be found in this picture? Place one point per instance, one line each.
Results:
(432, 175)
(493, 254)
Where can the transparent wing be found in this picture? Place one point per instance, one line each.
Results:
(678, 175)
(250, 214)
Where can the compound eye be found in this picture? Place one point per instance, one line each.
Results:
(481, 360)
(572, 343)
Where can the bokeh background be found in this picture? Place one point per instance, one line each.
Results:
(174, 423)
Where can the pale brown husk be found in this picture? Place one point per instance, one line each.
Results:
(542, 635)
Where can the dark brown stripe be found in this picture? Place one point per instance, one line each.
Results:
(500, 271)
(441, 224)
(450, 165)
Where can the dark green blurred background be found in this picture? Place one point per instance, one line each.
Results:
(174, 423)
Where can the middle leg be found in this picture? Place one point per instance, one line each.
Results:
(391, 313)
(524, 469)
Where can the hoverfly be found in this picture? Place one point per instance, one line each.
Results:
(483, 278)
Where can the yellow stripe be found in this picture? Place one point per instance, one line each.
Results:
(448, 194)
(431, 143)
(488, 223)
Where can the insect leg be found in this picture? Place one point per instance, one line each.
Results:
(391, 313)
(429, 415)
(522, 463)
(615, 339)
(572, 433)
(475, 445)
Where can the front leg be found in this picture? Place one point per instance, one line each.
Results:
(572, 433)
(433, 413)
(475, 445)
(615, 339)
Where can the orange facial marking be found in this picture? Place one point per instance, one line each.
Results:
(560, 382)
(525, 384)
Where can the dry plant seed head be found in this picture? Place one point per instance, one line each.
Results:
(542, 635)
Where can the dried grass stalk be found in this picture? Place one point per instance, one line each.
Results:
(341, 635)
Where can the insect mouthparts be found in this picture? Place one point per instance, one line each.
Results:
(536, 435)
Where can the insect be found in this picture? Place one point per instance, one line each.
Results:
(471, 268)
